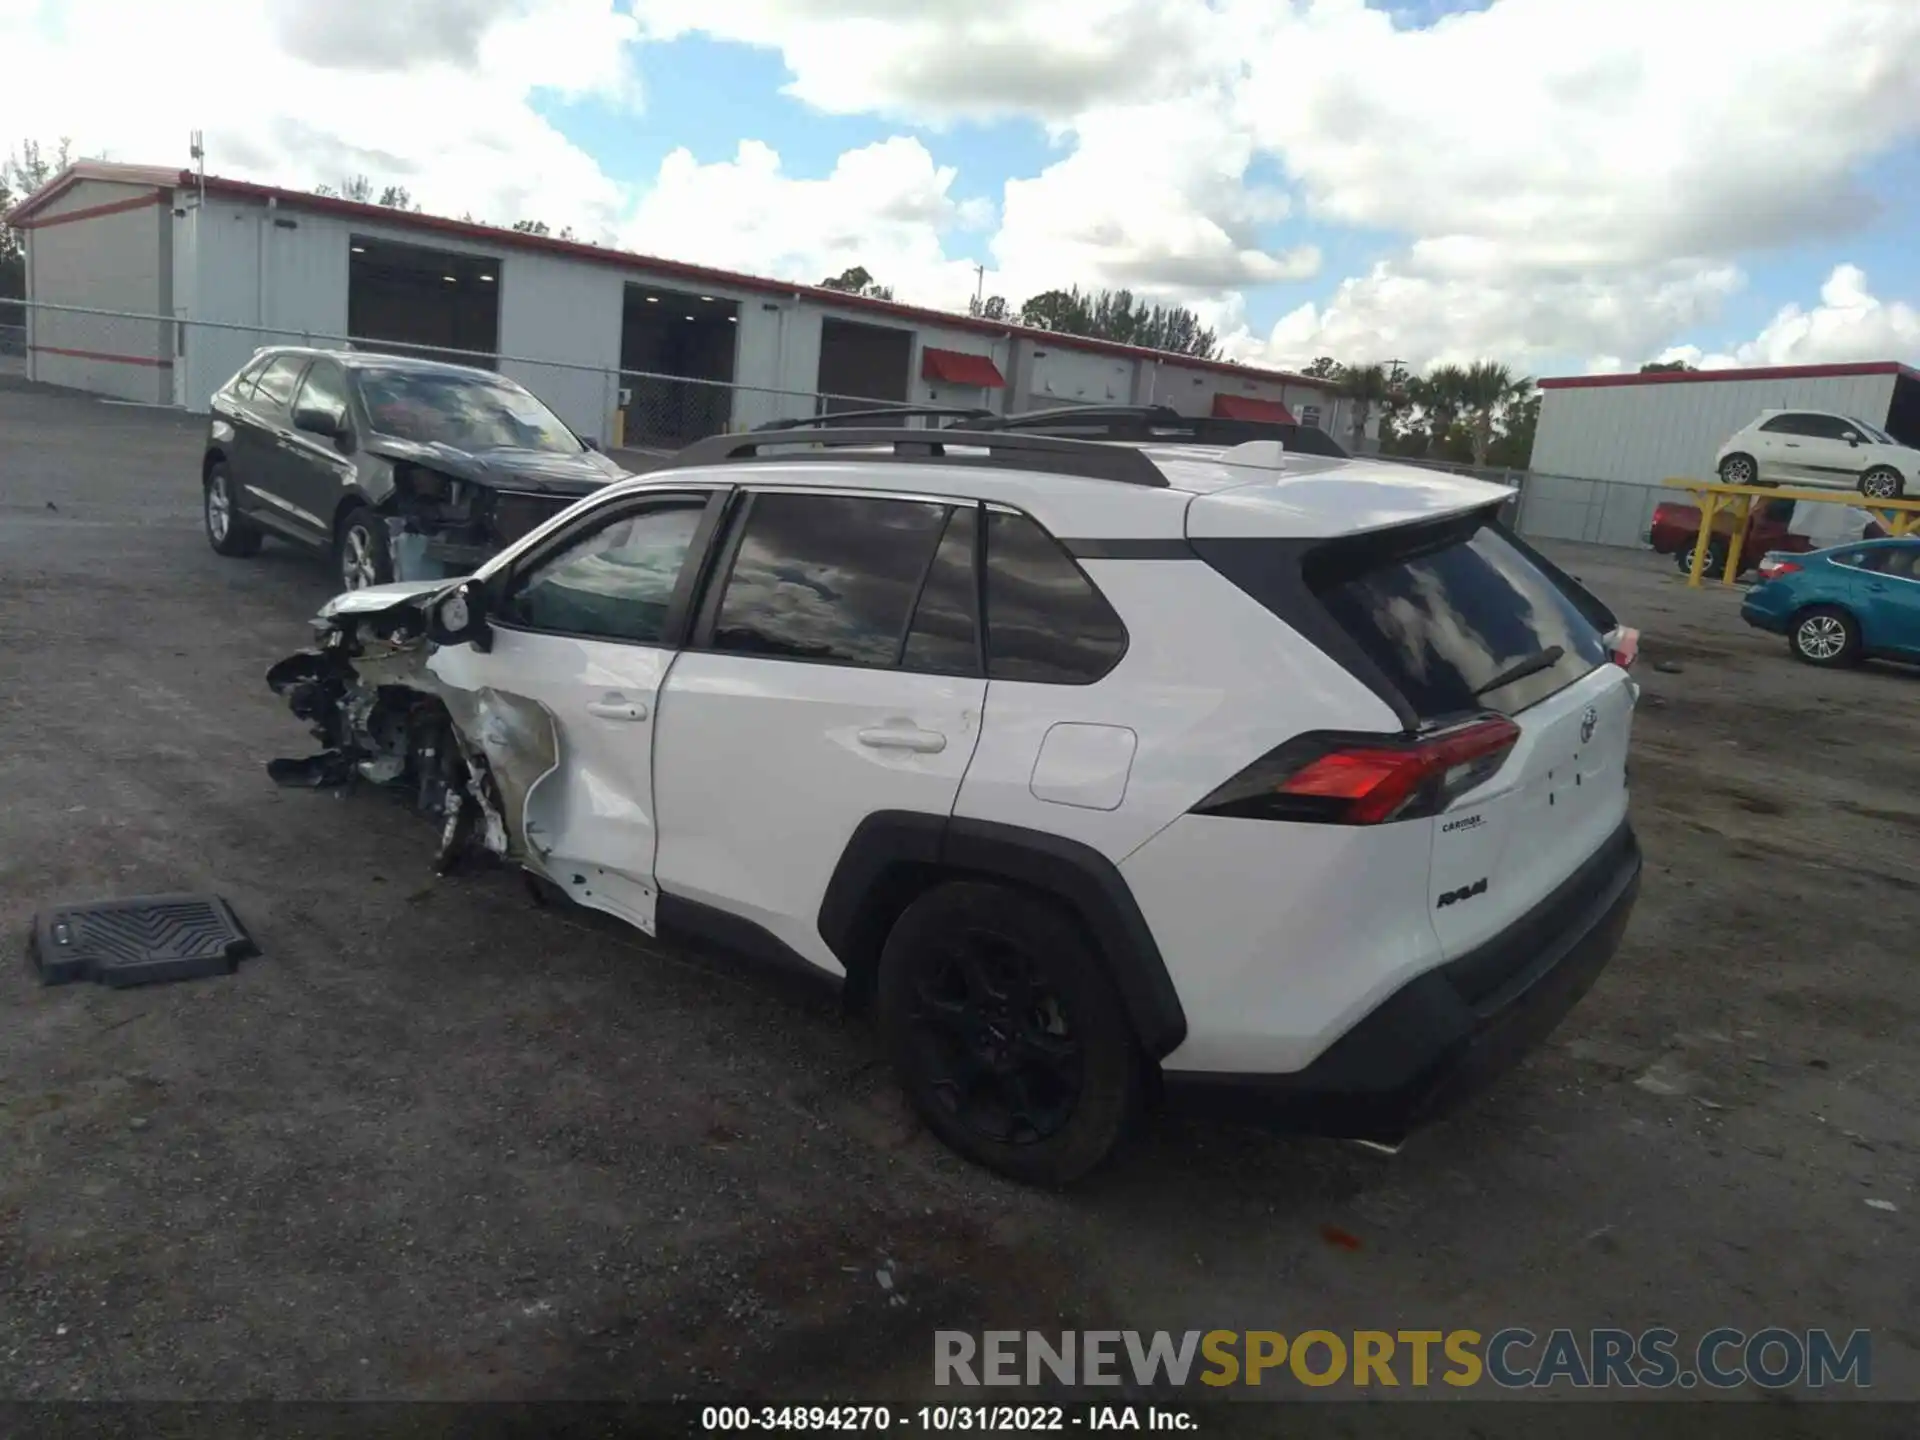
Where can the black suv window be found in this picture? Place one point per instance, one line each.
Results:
(1045, 619)
(616, 582)
(1445, 611)
(828, 577)
(243, 382)
(276, 383)
(325, 390)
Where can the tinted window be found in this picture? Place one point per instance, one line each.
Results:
(616, 582)
(944, 639)
(275, 386)
(1045, 621)
(827, 577)
(1894, 560)
(468, 412)
(324, 389)
(1870, 432)
(1825, 427)
(1445, 619)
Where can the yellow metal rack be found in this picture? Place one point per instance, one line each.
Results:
(1897, 517)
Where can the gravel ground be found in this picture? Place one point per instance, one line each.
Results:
(439, 1143)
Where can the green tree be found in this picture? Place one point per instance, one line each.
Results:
(1440, 395)
(856, 281)
(22, 173)
(1118, 315)
(1366, 386)
(1487, 392)
(1665, 367)
(359, 189)
(994, 307)
(1324, 367)
(1513, 450)
(540, 227)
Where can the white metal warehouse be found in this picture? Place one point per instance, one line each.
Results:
(1606, 443)
(616, 342)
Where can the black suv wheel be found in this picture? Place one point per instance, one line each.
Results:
(228, 531)
(1005, 1032)
(360, 552)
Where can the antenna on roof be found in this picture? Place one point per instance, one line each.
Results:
(197, 148)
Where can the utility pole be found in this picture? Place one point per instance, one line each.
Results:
(979, 286)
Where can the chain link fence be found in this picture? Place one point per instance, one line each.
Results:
(156, 360)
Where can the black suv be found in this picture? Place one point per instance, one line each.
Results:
(398, 468)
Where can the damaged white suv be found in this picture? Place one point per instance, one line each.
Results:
(1291, 784)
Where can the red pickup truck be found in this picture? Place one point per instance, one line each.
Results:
(1771, 525)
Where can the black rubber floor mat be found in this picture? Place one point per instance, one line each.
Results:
(139, 942)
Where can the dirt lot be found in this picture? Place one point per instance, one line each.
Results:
(439, 1143)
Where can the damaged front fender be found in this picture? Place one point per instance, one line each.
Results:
(371, 695)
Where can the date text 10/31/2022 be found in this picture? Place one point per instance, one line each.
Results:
(941, 1419)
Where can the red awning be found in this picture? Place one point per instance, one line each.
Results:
(956, 367)
(1248, 407)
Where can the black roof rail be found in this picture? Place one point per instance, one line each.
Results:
(1161, 423)
(957, 413)
(1049, 454)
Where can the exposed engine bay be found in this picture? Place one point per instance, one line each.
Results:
(368, 689)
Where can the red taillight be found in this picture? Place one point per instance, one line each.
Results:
(1353, 780)
(1623, 646)
(1779, 568)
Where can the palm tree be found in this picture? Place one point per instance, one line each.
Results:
(1441, 396)
(1366, 386)
(1487, 389)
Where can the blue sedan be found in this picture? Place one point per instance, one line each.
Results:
(1840, 606)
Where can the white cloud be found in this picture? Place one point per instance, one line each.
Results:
(295, 103)
(886, 207)
(1849, 323)
(1554, 182)
(983, 59)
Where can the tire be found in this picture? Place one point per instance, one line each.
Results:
(1716, 558)
(1825, 636)
(1006, 1033)
(360, 554)
(228, 531)
(1741, 466)
(1883, 482)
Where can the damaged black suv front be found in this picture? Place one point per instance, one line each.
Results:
(399, 468)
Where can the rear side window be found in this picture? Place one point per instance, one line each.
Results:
(944, 638)
(243, 382)
(276, 382)
(1789, 425)
(1045, 620)
(1452, 615)
(1895, 560)
(831, 578)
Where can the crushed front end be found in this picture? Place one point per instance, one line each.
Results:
(369, 694)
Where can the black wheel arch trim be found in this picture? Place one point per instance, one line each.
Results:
(892, 847)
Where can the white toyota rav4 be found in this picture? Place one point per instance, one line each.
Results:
(1283, 782)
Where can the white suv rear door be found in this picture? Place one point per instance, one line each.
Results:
(834, 671)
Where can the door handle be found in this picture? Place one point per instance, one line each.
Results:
(921, 742)
(617, 707)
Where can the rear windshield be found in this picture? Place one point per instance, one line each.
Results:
(1454, 611)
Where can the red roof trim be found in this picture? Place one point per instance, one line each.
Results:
(92, 212)
(105, 356)
(1769, 372)
(960, 367)
(1252, 407)
(629, 261)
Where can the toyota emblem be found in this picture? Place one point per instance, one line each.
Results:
(1589, 722)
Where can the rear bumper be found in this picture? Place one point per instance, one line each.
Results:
(1443, 1035)
(1760, 615)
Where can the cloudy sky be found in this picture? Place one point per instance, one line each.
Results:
(1565, 185)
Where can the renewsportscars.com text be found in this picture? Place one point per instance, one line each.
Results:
(1512, 1358)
